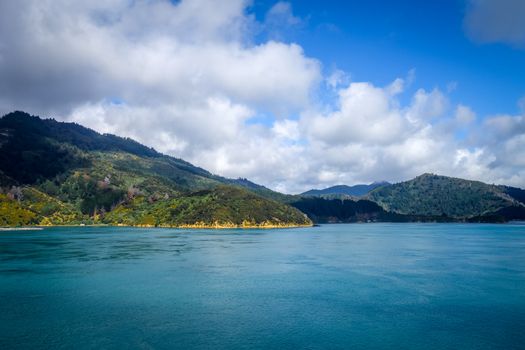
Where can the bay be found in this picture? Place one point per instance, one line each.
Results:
(362, 286)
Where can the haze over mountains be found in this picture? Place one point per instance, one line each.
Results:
(55, 173)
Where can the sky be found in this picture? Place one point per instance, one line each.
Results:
(292, 95)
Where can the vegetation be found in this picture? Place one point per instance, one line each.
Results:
(433, 195)
(13, 214)
(323, 210)
(426, 198)
(54, 173)
(223, 206)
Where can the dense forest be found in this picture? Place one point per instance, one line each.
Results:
(434, 195)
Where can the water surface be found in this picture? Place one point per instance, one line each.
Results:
(373, 286)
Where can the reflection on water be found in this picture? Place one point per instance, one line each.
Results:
(377, 286)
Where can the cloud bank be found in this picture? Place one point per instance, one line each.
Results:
(190, 79)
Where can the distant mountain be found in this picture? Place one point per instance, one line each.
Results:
(434, 195)
(426, 198)
(344, 190)
(63, 173)
(322, 210)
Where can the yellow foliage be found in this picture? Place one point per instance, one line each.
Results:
(45, 222)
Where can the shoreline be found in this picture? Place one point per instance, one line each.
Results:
(186, 226)
(25, 228)
(227, 226)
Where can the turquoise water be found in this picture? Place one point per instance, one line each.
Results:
(363, 286)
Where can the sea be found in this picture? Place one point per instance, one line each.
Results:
(339, 286)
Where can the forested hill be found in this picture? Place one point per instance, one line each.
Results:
(63, 173)
(43, 148)
(435, 195)
(427, 198)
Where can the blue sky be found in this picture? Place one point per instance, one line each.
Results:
(378, 41)
(289, 94)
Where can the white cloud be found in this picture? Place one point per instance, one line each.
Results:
(144, 53)
(427, 106)
(365, 114)
(372, 136)
(186, 75)
(521, 104)
(396, 87)
(337, 79)
(280, 22)
(187, 79)
(464, 115)
(489, 21)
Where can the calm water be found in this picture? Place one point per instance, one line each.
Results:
(373, 286)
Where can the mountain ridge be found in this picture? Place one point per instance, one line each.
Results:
(437, 195)
(341, 191)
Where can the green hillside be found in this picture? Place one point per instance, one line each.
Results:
(223, 206)
(433, 195)
(62, 173)
(323, 210)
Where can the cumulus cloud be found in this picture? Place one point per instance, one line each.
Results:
(145, 52)
(372, 134)
(280, 22)
(502, 140)
(490, 21)
(189, 79)
(464, 115)
(337, 78)
(365, 114)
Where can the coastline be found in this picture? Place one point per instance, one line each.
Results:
(215, 226)
(224, 226)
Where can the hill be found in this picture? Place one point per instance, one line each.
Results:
(427, 198)
(434, 195)
(63, 173)
(344, 191)
(322, 210)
